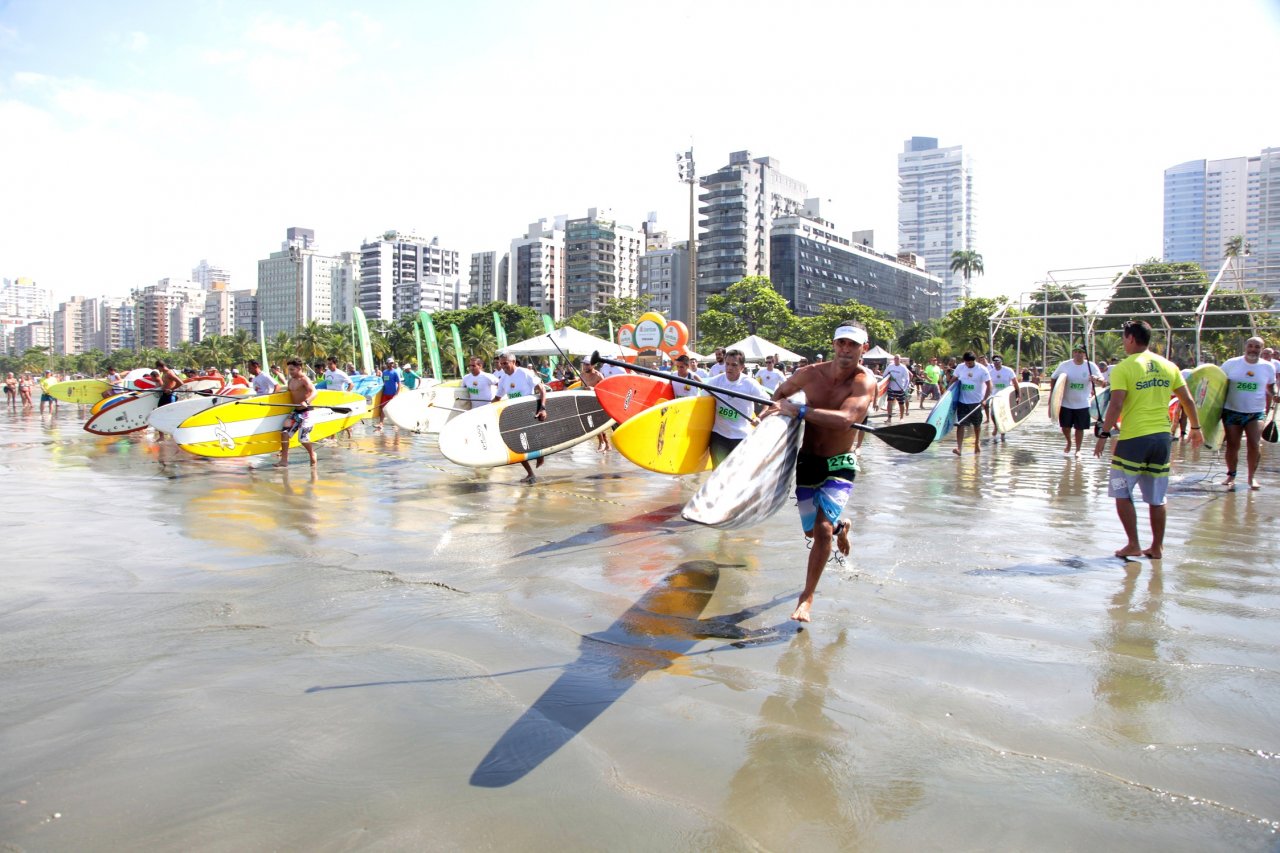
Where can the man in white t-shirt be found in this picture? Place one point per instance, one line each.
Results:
(899, 388)
(974, 387)
(515, 382)
(1251, 389)
(1001, 378)
(735, 417)
(1079, 373)
(481, 386)
(334, 378)
(261, 383)
(700, 372)
(607, 370)
(683, 372)
(718, 367)
(769, 376)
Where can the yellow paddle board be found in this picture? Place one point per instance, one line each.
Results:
(671, 437)
(251, 427)
(81, 391)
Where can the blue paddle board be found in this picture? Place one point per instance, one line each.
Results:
(943, 416)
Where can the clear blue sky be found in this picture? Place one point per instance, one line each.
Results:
(140, 137)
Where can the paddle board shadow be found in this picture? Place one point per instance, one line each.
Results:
(643, 523)
(1060, 566)
(659, 629)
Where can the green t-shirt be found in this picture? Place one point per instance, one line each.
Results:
(933, 373)
(1148, 381)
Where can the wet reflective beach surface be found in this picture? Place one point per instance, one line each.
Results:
(396, 653)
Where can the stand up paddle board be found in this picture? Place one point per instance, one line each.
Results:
(82, 392)
(1009, 410)
(755, 480)
(250, 427)
(1208, 388)
(427, 409)
(168, 418)
(1056, 393)
(673, 437)
(628, 394)
(943, 416)
(123, 413)
(508, 431)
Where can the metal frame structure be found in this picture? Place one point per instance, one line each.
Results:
(1097, 287)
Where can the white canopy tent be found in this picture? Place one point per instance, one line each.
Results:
(757, 348)
(569, 342)
(877, 353)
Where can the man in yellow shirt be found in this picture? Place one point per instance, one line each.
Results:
(1140, 390)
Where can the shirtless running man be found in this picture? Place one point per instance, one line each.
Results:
(838, 393)
(302, 392)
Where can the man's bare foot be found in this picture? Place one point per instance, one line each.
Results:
(283, 463)
(977, 449)
(1255, 485)
(801, 613)
(842, 537)
(956, 451)
(538, 463)
(1130, 551)
(1153, 553)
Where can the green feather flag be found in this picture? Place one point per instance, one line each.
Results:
(433, 345)
(457, 348)
(417, 346)
(550, 327)
(366, 349)
(499, 333)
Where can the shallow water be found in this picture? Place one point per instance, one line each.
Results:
(398, 653)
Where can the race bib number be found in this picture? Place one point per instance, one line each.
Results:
(728, 413)
(473, 391)
(843, 461)
(515, 394)
(1246, 386)
(1076, 386)
(965, 386)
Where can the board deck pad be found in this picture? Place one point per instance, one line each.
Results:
(627, 395)
(569, 416)
(671, 438)
(1009, 410)
(1208, 388)
(943, 415)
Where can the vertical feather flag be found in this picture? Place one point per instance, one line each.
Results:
(366, 349)
(433, 345)
(457, 347)
(499, 333)
(550, 327)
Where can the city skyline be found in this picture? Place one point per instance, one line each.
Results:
(157, 142)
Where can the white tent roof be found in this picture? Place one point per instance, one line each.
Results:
(570, 342)
(878, 352)
(757, 348)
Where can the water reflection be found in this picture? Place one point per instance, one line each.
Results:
(799, 786)
(1130, 677)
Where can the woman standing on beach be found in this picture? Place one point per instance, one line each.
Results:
(11, 391)
(24, 389)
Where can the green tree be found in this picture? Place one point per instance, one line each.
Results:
(479, 339)
(969, 326)
(527, 328)
(967, 263)
(918, 332)
(813, 334)
(757, 309)
(936, 347)
(279, 350)
(35, 360)
(312, 342)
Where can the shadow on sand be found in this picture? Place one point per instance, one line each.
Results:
(663, 626)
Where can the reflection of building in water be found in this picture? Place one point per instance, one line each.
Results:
(1131, 675)
(799, 786)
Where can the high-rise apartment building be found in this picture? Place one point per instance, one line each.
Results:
(1208, 202)
(116, 319)
(209, 275)
(346, 287)
(937, 214)
(68, 327)
(813, 265)
(738, 205)
(536, 269)
(487, 277)
(295, 284)
(165, 313)
(23, 302)
(601, 261)
(226, 311)
(402, 274)
(31, 335)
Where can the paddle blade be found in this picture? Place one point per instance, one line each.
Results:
(908, 438)
(1269, 432)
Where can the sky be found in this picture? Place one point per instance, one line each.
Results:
(138, 138)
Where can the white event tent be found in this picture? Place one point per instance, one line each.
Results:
(568, 341)
(757, 348)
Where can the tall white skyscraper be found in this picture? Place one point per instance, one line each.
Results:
(936, 210)
(1208, 202)
(403, 274)
(536, 269)
(295, 284)
(208, 275)
(601, 261)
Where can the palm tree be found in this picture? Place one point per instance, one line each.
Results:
(311, 342)
(1236, 246)
(378, 342)
(279, 350)
(527, 328)
(967, 263)
(480, 340)
(35, 360)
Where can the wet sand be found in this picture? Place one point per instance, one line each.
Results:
(396, 653)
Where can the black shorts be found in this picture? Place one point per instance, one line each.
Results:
(965, 412)
(897, 395)
(1073, 418)
(722, 446)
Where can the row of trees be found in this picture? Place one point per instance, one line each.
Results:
(1047, 329)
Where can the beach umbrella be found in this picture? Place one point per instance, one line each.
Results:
(568, 341)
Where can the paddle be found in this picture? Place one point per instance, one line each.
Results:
(908, 438)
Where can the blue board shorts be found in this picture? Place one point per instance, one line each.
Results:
(1143, 462)
(1230, 417)
(823, 485)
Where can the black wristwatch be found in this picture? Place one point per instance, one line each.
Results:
(1104, 434)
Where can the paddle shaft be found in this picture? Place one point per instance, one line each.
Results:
(342, 410)
(885, 433)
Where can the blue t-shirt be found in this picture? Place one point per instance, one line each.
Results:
(390, 382)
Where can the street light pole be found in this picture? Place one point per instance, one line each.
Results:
(688, 173)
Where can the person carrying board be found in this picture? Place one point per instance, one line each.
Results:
(837, 393)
